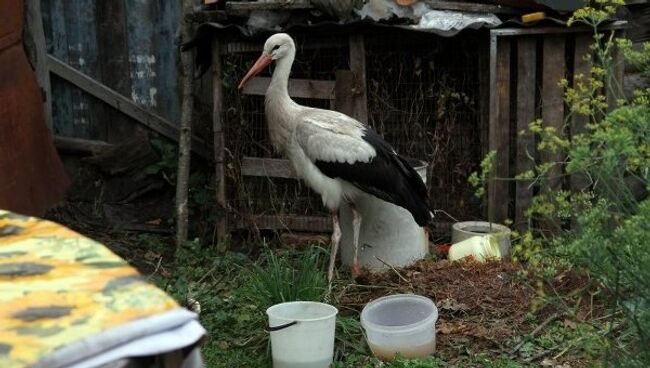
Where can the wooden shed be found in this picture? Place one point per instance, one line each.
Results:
(444, 100)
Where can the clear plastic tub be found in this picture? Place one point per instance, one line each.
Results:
(403, 323)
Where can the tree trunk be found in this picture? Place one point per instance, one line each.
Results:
(185, 141)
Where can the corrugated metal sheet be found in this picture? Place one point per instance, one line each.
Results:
(129, 45)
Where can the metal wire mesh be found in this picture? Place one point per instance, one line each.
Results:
(422, 97)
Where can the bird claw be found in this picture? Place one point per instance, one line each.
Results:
(356, 270)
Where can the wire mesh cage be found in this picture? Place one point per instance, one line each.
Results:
(423, 98)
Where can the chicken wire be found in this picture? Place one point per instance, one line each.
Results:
(422, 97)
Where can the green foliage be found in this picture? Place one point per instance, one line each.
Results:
(281, 279)
(600, 221)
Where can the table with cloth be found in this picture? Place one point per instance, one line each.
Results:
(68, 301)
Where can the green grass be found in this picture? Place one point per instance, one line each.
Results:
(234, 292)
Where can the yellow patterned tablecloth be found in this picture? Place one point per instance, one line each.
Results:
(57, 287)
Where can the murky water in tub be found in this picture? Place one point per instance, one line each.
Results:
(312, 364)
(417, 351)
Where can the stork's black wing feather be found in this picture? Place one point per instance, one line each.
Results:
(387, 176)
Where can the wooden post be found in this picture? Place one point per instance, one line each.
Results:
(553, 111)
(35, 41)
(499, 134)
(552, 98)
(615, 80)
(526, 68)
(185, 138)
(219, 143)
(358, 67)
(113, 50)
(581, 66)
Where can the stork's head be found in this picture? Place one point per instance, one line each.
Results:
(277, 47)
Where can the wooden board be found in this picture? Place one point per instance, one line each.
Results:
(113, 51)
(499, 134)
(358, 68)
(268, 167)
(552, 98)
(123, 104)
(471, 7)
(219, 142)
(37, 53)
(615, 84)
(578, 122)
(526, 88)
(288, 222)
(298, 88)
(343, 91)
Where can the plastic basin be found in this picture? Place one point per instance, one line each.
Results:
(404, 324)
(302, 334)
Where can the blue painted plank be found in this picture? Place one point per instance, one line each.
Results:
(166, 46)
(61, 93)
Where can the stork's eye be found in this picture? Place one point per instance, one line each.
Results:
(275, 47)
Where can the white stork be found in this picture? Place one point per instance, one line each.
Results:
(333, 153)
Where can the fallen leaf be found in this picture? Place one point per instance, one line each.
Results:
(570, 324)
(453, 305)
(154, 222)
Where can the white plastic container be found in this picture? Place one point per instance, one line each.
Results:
(302, 334)
(467, 229)
(403, 323)
(387, 232)
(481, 248)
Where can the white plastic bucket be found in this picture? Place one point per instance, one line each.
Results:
(388, 232)
(302, 334)
(403, 323)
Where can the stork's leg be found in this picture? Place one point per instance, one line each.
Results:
(356, 228)
(336, 237)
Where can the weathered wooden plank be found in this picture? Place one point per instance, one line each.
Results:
(61, 93)
(164, 39)
(471, 7)
(581, 67)
(256, 46)
(615, 82)
(553, 29)
(81, 32)
(241, 6)
(343, 101)
(35, 38)
(80, 146)
(358, 68)
(552, 98)
(123, 104)
(219, 142)
(298, 88)
(114, 69)
(269, 167)
(320, 224)
(526, 88)
(499, 134)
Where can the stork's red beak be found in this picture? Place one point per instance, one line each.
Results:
(259, 65)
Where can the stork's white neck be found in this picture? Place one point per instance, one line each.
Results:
(280, 80)
(279, 107)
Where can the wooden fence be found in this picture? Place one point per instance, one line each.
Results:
(526, 66)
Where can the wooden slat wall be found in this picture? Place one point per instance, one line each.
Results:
(541, 62)
(129, 45)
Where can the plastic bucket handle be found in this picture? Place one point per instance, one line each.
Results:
(282, 327)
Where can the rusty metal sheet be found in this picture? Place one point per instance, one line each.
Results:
(32, 177)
